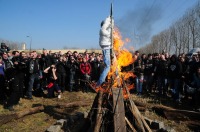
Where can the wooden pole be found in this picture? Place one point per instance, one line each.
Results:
(118, 110)
(99, 113)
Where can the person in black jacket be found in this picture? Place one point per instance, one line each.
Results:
(97, 69)
(185, 79)
(155, 66)
(9, 73)
(148, 73)
(52, 86)
(174, 74)
(61, 73)
(45, 61)
(73, 67)
(2, 80)
(161, 73)
(4, 48)
(17, 84)
(35, 75)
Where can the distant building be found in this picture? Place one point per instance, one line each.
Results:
(65, 50)
(24, 46)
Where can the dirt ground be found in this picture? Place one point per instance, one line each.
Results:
(39, 122)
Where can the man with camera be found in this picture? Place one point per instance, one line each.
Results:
(4, 48)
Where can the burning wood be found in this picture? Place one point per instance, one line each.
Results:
(118, 110)
(112, 109)
(99, 113)
(115, 114)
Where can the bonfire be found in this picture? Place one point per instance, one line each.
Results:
(113, 109)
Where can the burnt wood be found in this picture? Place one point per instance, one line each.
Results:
(118, 110)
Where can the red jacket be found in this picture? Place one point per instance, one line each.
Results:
(85, 68)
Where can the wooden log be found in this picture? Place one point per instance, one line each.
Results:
(141, 123)
(99, 113)
(138, 120)
(141, 109)
(90, 120)
(130, 125)
(146, 126)
(118, 110)
(7, 118)
(138, 103)
(175, 114)
(134, 110)
(161, 107)
(89, 83)
(30, 111)
(74, 104)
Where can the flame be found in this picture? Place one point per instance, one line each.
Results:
(121, 59)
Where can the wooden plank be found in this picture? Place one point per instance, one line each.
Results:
(130, 125)
(99, 115)
(118, 110)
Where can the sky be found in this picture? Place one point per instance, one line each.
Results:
(58, 24)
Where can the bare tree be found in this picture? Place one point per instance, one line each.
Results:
(181, 36)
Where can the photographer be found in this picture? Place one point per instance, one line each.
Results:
(4, 48)
(52, 81)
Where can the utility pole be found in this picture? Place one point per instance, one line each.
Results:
(30, 42)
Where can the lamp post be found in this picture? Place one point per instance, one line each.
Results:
(30, 41)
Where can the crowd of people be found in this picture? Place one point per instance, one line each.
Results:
(178, 76)
(24, 75)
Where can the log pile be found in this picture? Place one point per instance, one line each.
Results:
(7, 118)
(110, 112)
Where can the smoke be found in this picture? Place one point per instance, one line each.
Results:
(137, 25)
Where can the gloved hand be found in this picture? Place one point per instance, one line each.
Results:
(108, 20)
(87, 77)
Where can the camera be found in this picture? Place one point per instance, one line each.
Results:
(4, 48)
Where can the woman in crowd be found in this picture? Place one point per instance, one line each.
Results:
(85, 69)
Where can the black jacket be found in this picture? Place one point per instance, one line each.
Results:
(162, 68)
(174, 69)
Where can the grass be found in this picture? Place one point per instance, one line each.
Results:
(39, 122)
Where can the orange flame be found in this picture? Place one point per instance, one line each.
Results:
(121, 59)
